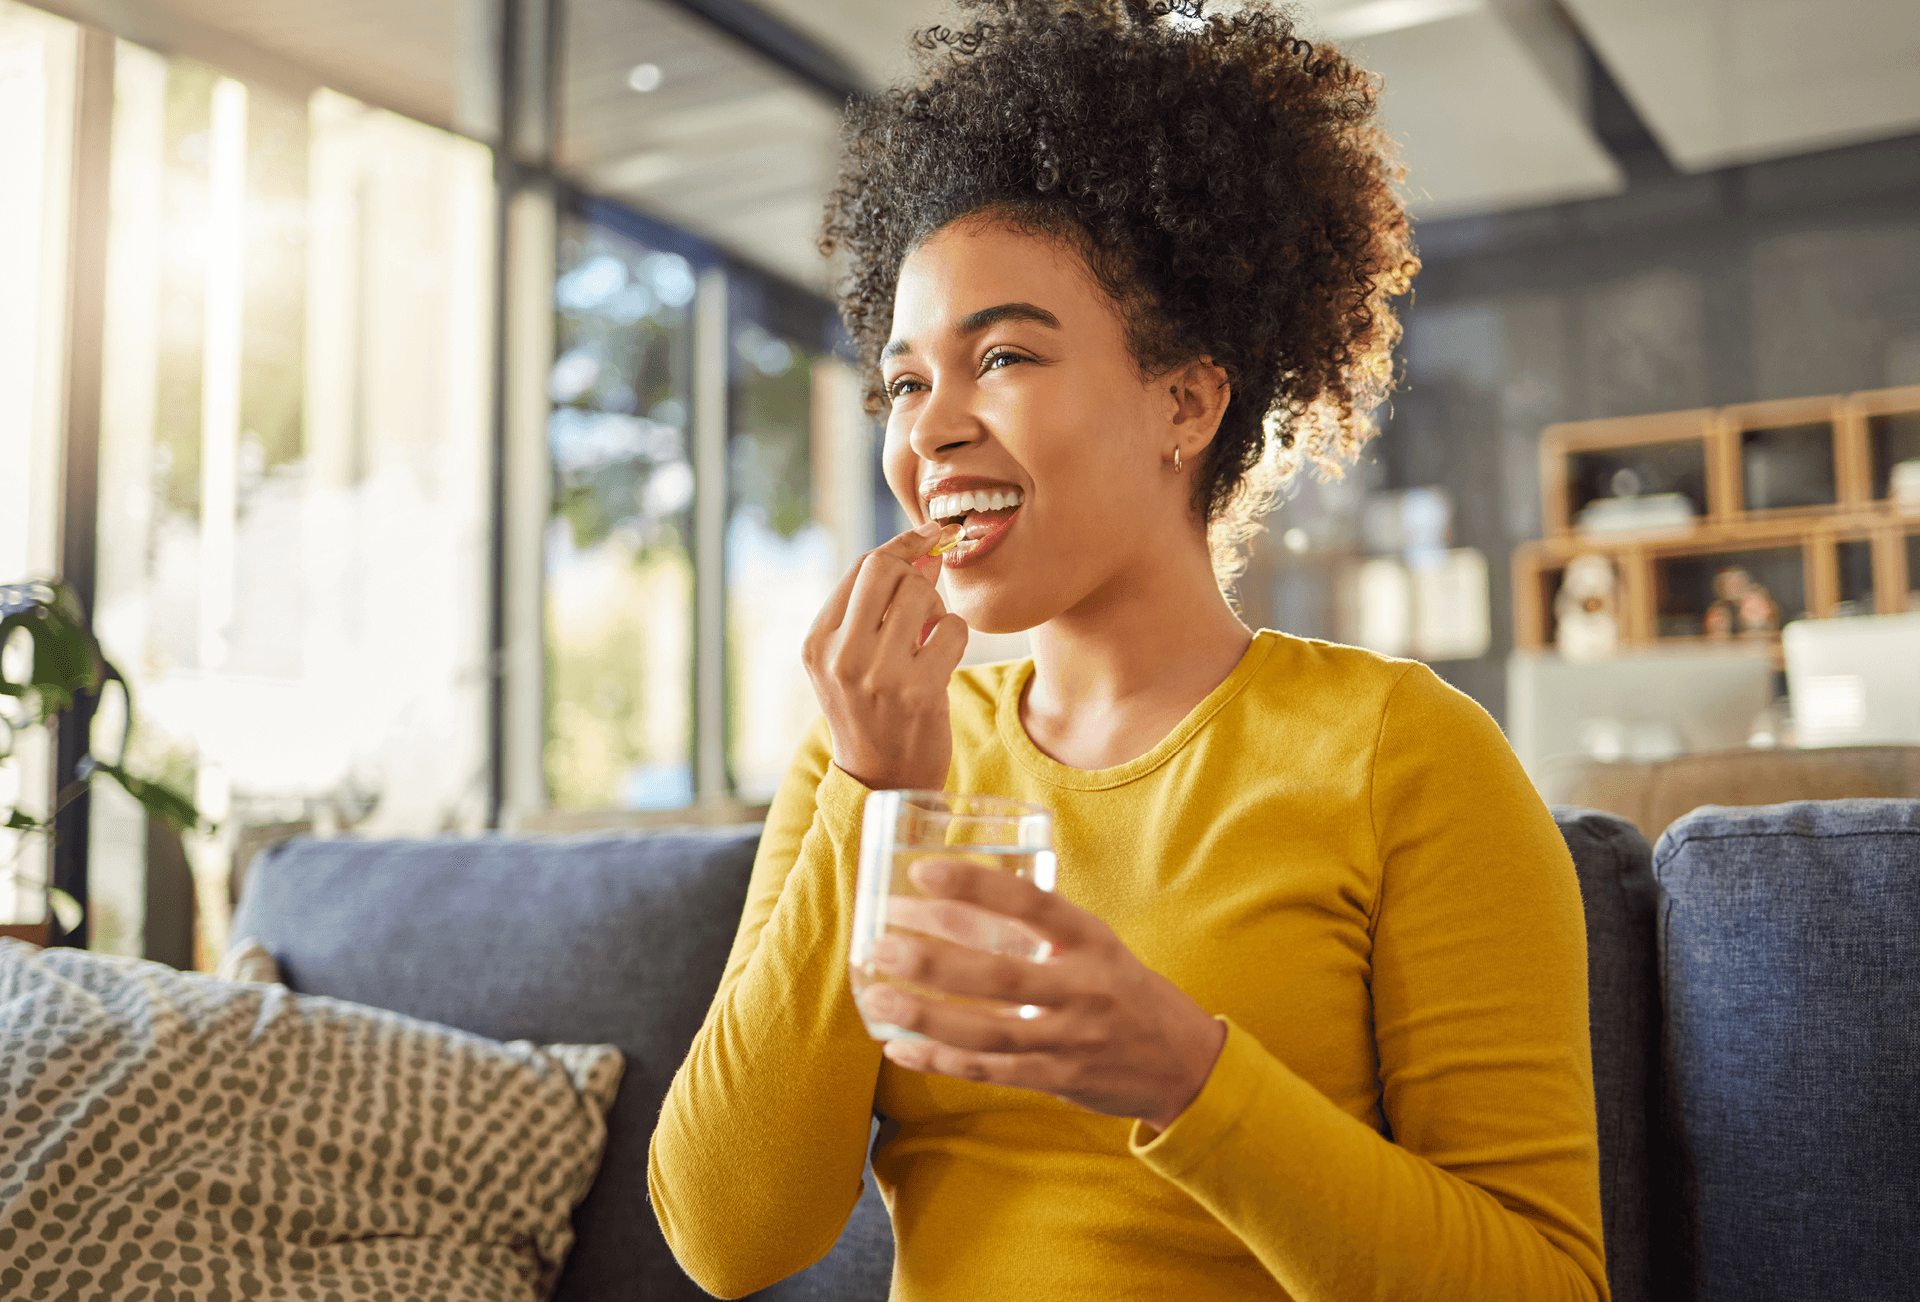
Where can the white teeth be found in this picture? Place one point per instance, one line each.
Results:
(948, 505)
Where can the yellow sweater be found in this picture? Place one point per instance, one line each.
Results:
(1335, 852)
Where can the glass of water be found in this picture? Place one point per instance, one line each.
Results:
(900, 828)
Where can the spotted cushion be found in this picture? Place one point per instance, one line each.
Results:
(170, 1134)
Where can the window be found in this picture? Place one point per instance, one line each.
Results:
(624, 656)
(37, 57)
(295, 558)
(780, 555)
(298, 364)
(619, 568)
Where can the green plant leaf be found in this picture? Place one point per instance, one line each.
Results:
(65, 908)
(66, 658)
(66, 662)
(15, 621)
(157, 798)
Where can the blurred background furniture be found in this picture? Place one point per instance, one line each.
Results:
(1854, 681)
(1644, 703)
(1653, 795)
(1798, 494)
(622, 938)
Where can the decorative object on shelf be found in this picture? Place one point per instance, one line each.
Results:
(1664, 513)
(42, 625)
(1627, 511)
(1740, 607)
(1905, 487)
(1587, 609)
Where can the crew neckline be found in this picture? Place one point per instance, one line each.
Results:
(1043, 766)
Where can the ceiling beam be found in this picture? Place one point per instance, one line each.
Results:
(771, 38)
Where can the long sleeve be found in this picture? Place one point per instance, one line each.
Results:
(756, 1161)
(1488, 1185)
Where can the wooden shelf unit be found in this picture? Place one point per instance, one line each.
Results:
(1861, 428)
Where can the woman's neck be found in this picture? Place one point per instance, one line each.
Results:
(1116, 674)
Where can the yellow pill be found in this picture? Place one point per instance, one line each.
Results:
(949, 539)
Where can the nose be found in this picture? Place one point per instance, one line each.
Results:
(945, 423)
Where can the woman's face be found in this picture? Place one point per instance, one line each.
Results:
(1017, 405)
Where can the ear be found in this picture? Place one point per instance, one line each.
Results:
(1197, 394)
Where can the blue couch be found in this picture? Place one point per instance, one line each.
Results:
(1753, 987)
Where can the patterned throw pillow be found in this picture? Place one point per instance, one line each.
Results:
(168, 1134)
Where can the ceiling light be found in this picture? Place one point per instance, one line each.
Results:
(644, 77)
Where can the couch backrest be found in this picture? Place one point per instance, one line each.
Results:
(1617, 890)
(1790, 975)
(607, 939)
(621, 939)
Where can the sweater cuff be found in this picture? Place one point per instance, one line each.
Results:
(1214, 1113)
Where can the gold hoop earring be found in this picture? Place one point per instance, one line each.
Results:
(1176, 461)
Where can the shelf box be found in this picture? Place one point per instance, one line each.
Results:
(1669, 453)
(1854, 564)
(1655, 469)
(1788, 467)
(1891, 421)
(1685, 585)
(1787, 456)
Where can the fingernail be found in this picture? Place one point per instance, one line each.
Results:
(930, 872)
(888, 951)
(929, 529)
(881, 1001)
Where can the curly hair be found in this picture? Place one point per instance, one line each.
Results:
(1227, 182)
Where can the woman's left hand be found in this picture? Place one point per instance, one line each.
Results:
(1110, 1034)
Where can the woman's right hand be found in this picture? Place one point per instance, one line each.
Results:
(881, 683)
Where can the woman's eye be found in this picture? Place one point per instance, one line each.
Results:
(899, 388)
(993, 360)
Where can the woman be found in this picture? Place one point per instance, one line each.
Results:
(1315, 1026)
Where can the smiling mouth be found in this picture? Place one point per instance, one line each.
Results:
(981, 513)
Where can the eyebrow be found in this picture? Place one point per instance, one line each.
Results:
(974, 322)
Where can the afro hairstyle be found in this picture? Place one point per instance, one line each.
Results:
(1227, 182)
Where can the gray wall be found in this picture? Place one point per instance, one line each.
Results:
(1775, 280)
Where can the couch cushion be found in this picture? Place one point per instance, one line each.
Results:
(1790, 953)
(616, 939)
(168, 1134)
(1617, 890)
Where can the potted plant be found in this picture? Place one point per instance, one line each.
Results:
(46, 645)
